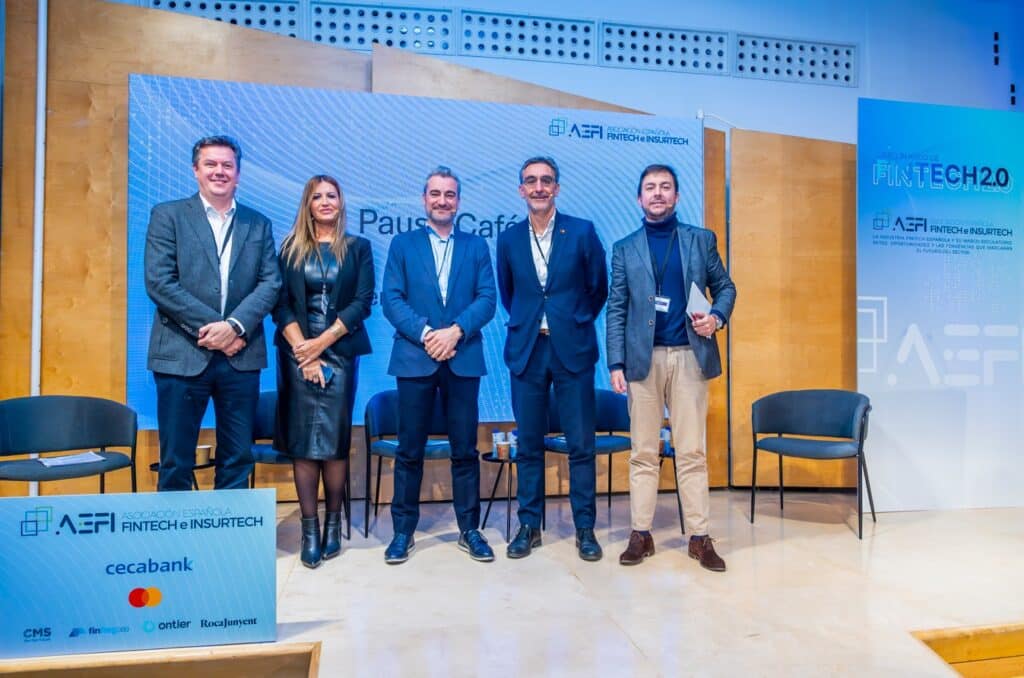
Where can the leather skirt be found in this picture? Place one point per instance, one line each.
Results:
(315, 421)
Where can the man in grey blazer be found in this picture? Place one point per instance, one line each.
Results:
(662, 355)
(212, 273)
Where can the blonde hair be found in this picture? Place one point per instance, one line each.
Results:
(301, 241)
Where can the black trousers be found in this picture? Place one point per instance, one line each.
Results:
(180, 405)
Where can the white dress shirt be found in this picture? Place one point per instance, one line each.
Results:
(540, 247)
(443, 250)
(220, 225)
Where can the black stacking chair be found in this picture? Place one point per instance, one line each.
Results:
(838, 420)
(40, 424)
(611, 419)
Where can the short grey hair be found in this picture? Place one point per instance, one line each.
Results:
(549, 161)
(446, 172)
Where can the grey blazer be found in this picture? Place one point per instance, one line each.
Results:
(183, 280)
(630, 316)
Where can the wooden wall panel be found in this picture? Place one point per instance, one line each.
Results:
(16, 227)
(397, 71)
(793, 257)
(718, 390)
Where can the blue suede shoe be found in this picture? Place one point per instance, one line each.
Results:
(399, 549)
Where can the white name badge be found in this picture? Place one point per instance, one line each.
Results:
(661, 303)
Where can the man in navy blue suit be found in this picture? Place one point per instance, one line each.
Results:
(438, 292)
(553, 281)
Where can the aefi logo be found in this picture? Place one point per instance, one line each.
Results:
(560, 126)
(37, 521)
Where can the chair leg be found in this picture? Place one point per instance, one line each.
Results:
(103, 486)
(753, 481)
(376, 495)
(679, 502)
(508, 505)
(135, 486)
(195, 483)
(490, 500)
(867, 484)
(609, 482)
(781, 491)
(366, 493)
(860, 498)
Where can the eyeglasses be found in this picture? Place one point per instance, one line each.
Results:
(546, 180)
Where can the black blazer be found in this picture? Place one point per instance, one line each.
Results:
(351, 298)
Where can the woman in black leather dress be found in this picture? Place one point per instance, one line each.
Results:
(326, 293)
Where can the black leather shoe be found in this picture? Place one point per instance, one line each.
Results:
(310, 554)
(586, 544)
(330, 546)
(473, 543)
(399, 549)
(527, 539)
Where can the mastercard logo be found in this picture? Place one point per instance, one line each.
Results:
(149, 597)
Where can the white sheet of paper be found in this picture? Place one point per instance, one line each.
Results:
(68, 460)
(697, 303)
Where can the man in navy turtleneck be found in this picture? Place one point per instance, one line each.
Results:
(662, 355)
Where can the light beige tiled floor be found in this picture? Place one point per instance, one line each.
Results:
(802, 596)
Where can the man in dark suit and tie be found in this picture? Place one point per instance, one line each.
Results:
(553, 281)
(213, 275)
(438, 292)
(662, 354)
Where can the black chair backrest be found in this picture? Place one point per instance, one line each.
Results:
(266, 413)
(612, 411)
(817, 412)
(382, 412)
(58, 423)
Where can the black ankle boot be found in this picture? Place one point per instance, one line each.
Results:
(310, 555)
(331, 544)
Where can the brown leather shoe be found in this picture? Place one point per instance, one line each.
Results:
(702, 549)
(640, 546)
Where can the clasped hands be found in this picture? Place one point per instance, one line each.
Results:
(307, 353)
(220, 336)
(440, 344)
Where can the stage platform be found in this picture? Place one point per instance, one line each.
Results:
(802, 596)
